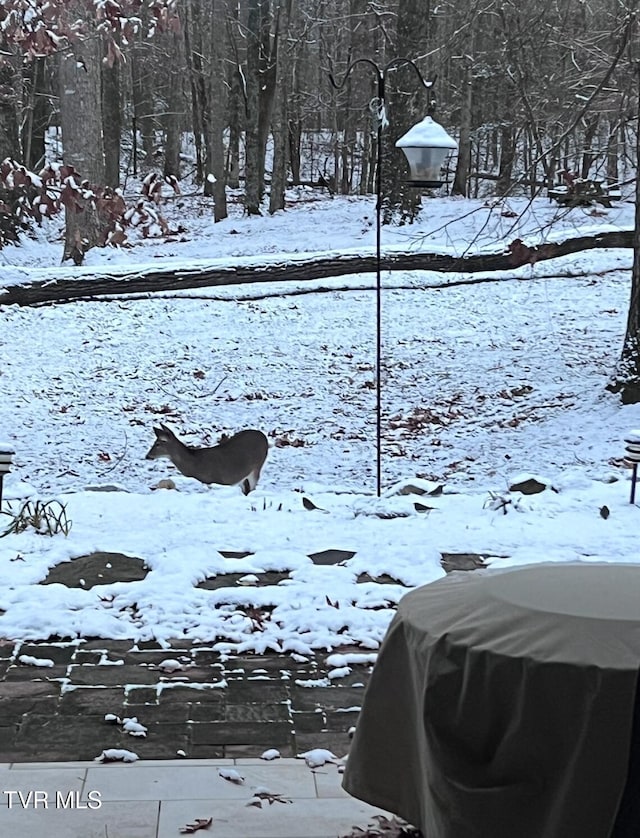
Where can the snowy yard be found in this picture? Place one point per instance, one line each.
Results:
(481, 383)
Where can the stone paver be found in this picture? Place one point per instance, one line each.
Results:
(97, 569)
(212, 708)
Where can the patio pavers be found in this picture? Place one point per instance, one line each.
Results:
(214, 707)
(210, 709)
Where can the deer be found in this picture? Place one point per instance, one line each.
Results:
(235, 461)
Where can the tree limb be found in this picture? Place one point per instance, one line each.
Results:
(64, 289)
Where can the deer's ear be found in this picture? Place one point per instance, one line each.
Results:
(165, 429)
(158, 432)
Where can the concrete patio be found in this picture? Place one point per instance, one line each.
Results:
(159, 798)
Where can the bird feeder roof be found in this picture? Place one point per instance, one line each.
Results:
(427, 134)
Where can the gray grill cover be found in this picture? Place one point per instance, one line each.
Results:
(501, 704)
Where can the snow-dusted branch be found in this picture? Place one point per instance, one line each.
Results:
(91, 285)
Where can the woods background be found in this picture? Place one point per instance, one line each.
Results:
(105, 103)
(204, 88)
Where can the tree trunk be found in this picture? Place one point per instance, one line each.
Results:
(82, 141)
(236, 101)
(626, 378)
(37, 106)
(612, 147)
(232, 168)
(280, 120)
(345, 139)
(80, 110)
(294, 121)
(463, 166)
(111, 123)
(215, 114)
(194, 67)
(174, 115)
(268, 64)
(142, 99)
(365, 163)
(588, 155)
(9, 141)
(245, 271)
(507, 158)
(295, 133)
(252, 186)
(83, 230)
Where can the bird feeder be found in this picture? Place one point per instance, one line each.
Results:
(426, 147)
(6, 456)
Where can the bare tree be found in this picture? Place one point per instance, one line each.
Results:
(80, 100)
(279, 121)
(215, 110)
(37, 110)
(626, 378)
(260, 88)
(193, 59)
(9, 139)
(111, 122)
(253, 185)
(463, 166)
(80, 107)
(174, 112)
(236, 101)
(141, 87)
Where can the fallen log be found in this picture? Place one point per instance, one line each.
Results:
(88, 285)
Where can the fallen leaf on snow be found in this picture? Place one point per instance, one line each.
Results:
(385, 828)
(261, 795)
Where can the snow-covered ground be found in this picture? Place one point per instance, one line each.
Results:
(481, 382)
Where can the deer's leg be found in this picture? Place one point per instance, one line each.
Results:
(251, 480)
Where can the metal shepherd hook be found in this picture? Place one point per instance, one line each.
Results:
(378, 109)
